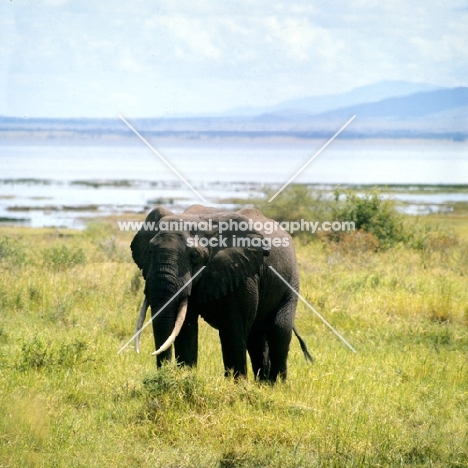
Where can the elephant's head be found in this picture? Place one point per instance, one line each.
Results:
(169, 256)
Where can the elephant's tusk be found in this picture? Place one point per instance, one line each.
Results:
(177, 327)
(141, 320)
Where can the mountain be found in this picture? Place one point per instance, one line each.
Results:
(321, 104)
(439, 113)
(424, 114)
(416, 105)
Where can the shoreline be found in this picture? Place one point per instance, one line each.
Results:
(36, 212)
(59, 138)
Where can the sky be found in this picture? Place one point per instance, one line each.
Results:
(75, 58)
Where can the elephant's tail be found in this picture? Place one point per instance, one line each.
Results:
(307, 355)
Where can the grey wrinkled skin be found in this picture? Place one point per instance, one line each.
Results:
(237, 293)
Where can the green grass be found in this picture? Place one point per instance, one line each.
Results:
(69, 300)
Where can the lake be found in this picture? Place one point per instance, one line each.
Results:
(63, 184)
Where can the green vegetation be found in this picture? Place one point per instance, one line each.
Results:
(370, 214)
(69, 300)
(295, 202)
(377, 222)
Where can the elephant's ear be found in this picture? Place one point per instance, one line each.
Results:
(230, 266)
(140, 243)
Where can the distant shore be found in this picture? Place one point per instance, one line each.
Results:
(65, 138)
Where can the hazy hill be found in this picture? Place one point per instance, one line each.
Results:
(409, 107)
(320, 104)
(439, 113)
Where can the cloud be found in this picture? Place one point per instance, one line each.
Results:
(447, 48)
(301, 39)
(218, 55)
(191, 38)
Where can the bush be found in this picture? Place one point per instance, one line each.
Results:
(352, 242)
(370, 214)
(296, 202)
(377, 222)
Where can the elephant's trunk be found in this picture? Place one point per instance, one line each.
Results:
(163, 289)
(140, 321)
(177, 327)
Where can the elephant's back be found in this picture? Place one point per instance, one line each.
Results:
(270, 230)
(282, 255)
(254, 215)
(197, 209)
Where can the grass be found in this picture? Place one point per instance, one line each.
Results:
(69, 300)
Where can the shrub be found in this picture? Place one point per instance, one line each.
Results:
(352, 242)
(370, 214)
(296, 202)
(377, 222)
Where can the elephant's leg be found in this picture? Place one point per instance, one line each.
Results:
(234, 347)
(186, 343)
(257, 347)
(236, 314)
(279, 338)
(279, 334)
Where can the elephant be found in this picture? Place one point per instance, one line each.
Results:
(216, 264)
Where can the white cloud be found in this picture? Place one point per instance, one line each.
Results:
(219, 54)
(303, 40)
(192, 38)
(448, 48)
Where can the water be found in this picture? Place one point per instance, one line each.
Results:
(60, 185)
